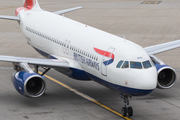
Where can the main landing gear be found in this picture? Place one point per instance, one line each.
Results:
(126, 110)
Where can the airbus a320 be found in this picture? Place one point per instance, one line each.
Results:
(85, 53)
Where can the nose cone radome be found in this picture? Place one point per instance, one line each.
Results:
(147, 80)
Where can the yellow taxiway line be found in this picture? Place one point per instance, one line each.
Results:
(86, 97)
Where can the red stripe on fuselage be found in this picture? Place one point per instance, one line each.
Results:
(104, 53)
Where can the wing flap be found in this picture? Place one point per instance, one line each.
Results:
(9, 17)
(66, 10)
(52, 63)
(162, 47)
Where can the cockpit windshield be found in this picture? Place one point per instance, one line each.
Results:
(147, 64)
(119, 64)
(136, 65)
(126, 64)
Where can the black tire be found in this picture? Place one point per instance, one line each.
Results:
(124, 111)
(130, 111)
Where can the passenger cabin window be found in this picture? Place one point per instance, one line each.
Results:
(147, 64)
(119, 64)
(136, 65)
(126, 64)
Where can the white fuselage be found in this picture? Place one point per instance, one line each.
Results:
(91, 52)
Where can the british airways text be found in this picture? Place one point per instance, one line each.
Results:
(86, 61)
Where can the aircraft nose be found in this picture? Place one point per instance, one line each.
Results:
(146, 81)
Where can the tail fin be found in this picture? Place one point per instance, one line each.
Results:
(31, 4)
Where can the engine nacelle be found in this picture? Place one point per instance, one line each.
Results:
(166, 76)
(28, 84)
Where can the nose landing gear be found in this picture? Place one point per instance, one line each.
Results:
(126, 110)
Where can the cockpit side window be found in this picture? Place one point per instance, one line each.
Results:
(126, 64)
(119, 64)
(151, 62)
(136, 65)
(147, 64)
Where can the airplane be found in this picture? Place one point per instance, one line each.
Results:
(85, 53)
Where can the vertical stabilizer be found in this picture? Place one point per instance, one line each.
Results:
(31, 4)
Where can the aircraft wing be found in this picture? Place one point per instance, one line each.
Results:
(9, 17)
(66, 10)
(162, 47)
(52, 63)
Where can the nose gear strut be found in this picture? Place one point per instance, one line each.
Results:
(126, 110)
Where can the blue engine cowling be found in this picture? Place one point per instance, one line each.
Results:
(166, 76)
(28, 84)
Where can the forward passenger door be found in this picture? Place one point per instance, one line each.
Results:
(106, 59)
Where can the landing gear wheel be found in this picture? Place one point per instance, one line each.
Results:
(130, 111)
(124, 111)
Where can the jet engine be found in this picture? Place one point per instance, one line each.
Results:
(166, 74)
(28, 84)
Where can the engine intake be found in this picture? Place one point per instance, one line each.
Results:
(166, 76)
(28, 84)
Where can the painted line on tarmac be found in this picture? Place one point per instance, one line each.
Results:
(151, 2)
(86, 97)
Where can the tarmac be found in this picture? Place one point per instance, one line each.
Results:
(146, 23)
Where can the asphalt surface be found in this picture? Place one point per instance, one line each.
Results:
(144, 24)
